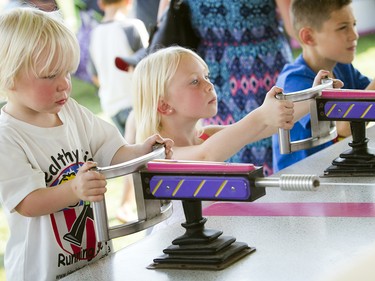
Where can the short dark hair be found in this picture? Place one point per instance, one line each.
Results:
(314, 13)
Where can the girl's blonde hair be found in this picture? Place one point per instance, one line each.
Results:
(151, 79)
(36, 42)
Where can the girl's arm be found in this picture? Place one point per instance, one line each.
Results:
(260, 123)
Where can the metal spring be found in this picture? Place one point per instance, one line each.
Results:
(299, 182)
(291, 182)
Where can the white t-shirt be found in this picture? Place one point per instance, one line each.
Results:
(51, 246)
(108, 40)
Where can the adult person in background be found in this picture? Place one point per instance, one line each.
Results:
(245, 47)
(88, 16)
(117, 35)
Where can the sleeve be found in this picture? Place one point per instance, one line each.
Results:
(106, 141)
(104, 138)
(16, 181)
(361, 80)
(352, 78)
(296, 80)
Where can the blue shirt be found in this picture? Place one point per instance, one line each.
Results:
(299, 76)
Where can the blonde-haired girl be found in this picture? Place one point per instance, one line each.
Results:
(173, 92)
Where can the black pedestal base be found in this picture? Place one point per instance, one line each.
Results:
(217, 261)
(357, 161)
(200, 248)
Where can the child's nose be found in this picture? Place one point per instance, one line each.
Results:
(210, 86)
(64, 83)
(354, 34)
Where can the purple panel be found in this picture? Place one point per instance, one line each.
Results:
(356, 112)
(186, 187)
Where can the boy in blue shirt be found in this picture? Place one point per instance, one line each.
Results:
(326, 31)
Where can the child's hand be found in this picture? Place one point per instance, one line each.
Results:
(277, 113)
(89, 185)
(337, 83)
(168, 143)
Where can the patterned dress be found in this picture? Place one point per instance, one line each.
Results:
(244, 46)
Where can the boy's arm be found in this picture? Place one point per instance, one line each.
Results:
(303, 108)
(343, 129)
(87, 185)
(258, 124)
(371, 86)
(131, 151)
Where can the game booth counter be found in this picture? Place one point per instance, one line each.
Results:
(314, 220)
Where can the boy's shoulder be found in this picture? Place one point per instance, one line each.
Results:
(295, 76)
(352, 77)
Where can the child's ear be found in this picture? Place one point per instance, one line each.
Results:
(164, 108)
(306, 36)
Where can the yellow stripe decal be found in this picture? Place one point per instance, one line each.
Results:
(199, 187)
(349, 109)
(330, 111)
(367, 110)
(178, 187)
(157, 187)
(221, 188)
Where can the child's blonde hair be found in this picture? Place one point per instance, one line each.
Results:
(150, 83)
(36, 42)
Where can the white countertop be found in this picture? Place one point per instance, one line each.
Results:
(289, 247)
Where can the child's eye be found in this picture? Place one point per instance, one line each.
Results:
(194, 82)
